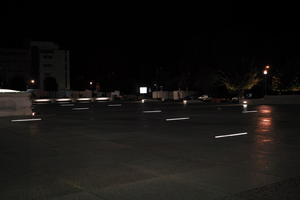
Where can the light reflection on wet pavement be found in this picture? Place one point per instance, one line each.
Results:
(123, 153)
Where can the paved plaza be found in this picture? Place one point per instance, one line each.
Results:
(151, 151)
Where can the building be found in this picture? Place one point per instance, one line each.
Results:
(42, 65)
(51, 64)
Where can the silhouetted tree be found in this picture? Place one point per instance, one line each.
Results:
(242, 77)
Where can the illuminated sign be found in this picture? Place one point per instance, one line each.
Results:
(143, 90)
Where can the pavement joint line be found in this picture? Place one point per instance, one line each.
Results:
(26, 120)
(80, 108)
(177, 119)
(67, 104)
(250, 111)
(111, 105)
(230, 135)
(152, 111)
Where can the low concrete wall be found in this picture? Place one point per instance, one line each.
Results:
(279, 99)
(174, 95)
(13, 104)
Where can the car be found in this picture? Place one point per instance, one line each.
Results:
(204, 97)
(235, 100)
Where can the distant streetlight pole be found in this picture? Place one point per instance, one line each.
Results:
(91, 87)
(265, 74)
(32, 83)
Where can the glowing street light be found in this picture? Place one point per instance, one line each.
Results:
(268, 67)
(91, 83)
(265, 72)
(32, 81)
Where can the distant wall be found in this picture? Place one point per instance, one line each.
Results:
(174, 95)
(13, 104)
(279, 99)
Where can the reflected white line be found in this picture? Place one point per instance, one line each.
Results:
(231, 135)
(63, 99)
(114, 105)
(42, 100)
(152, 111)
(102, 98)
(250, 111)
(176, 119)
(80, 108)
(84, 99)
(67, 105)
(26, 120)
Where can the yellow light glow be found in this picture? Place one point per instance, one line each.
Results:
(267, 67)
(32, 81)
(143, 100)
(184, 101)
(91, 83)
(265, 72)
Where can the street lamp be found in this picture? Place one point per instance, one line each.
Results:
(31, 84)
(265, 72)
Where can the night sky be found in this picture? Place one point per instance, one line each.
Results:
(139, 41)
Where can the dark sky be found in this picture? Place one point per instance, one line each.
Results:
(110, 37)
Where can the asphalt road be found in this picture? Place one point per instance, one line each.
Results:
(106, 151)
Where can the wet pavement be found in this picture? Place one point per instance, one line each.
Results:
(121, 152)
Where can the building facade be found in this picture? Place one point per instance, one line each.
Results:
(42, 65)
(52, 64)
